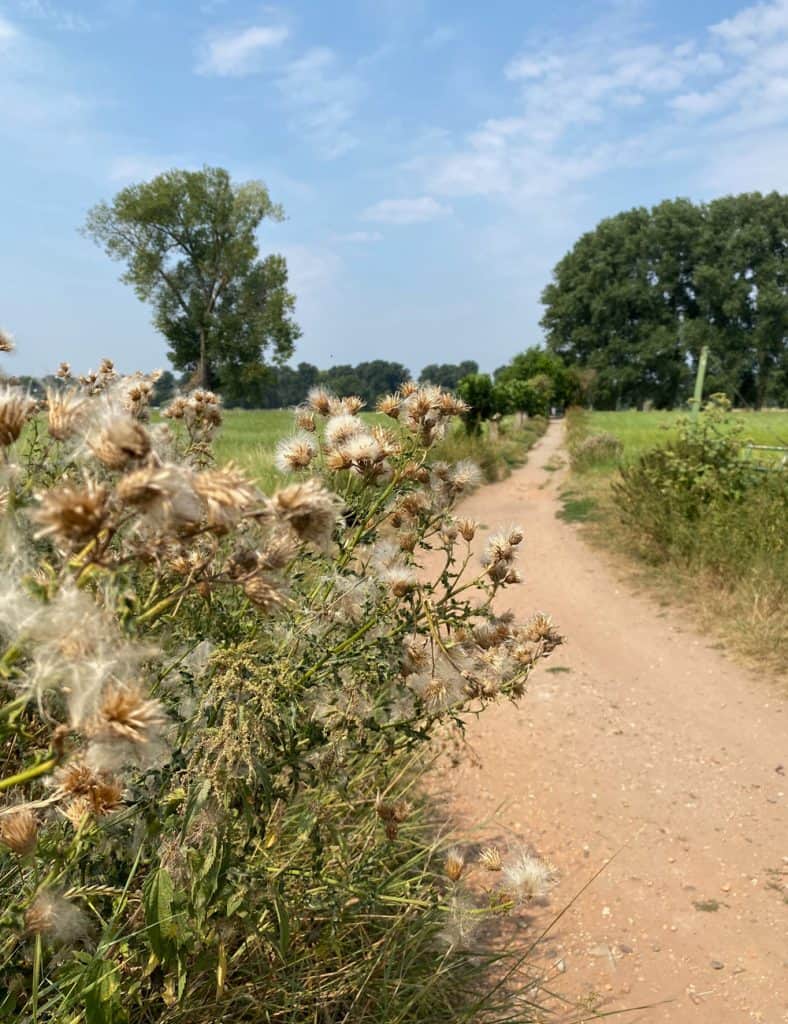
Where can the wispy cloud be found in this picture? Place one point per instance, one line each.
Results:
(406, 211)
(55, 15)
(240, 53)
(359, 237)
(322, 99)
(7, 32)
(580, 108)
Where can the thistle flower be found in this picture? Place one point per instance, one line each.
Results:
(78, 779)
(341, 429)
(165, 495)
(264, 592)
(19, 831)
(467, 528)
(72, 515)
(6, 341)
(16, 408)
(305, 420)
(56, 918)
(540, 629)
(63, 371)
(454, 865)
(66, 410)
(125, 713)
(416, 655)
(309, 510)
(295, 453)
(320, 401)
(227, 494)
(464, 477)
(390, 405)
(400, 579)
(490, 858)
(120, 441)
(280, 551)
(528, 877)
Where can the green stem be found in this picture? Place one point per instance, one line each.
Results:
(42, 768)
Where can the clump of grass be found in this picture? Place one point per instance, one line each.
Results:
(708, 523)
(497, 454)
(215, 706)
(595, 450)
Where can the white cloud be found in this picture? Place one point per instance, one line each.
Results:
(359, 237)
(406, 211)
(66, 21)
(7, 31)
(322, 99)
(581, 108)
(128, 168)
(744, 32)
(240, 53)
(441, 36)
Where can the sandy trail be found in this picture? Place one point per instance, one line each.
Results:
(651, 739)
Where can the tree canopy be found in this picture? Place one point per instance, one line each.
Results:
(636, 299)
(189, 242)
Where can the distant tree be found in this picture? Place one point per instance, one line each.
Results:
(636, 299)
(164, 388)
(448, 375)
(536, 361)
(189, 242)
(478, 391)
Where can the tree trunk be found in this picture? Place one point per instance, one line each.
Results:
(202, 375)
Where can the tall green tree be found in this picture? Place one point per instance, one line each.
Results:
(636, 299)
(189, 242)
(447, 375)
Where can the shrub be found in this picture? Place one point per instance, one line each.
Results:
(697, 502)
(215, 707)
(595, 450)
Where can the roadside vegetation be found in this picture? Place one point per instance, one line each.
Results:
(691, 502)
(216, 710)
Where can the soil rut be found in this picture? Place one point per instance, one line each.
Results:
(637, 734)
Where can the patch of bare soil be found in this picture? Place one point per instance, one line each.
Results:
(639, 739)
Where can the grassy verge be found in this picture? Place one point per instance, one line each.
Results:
(249, 438)
(496, 457)
(720, 548)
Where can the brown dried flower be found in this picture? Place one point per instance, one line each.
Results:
(65, 412)
(72, 515)
(309, 510)
(127, 714)
(16, 408)
(121, 441)
(19, 831)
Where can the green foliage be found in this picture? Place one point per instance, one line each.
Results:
(189, 242)
(216, 707)
(478, 392)
(495, 456)
(636, 299)
(550, 379)
(595, 450)
(447, 375)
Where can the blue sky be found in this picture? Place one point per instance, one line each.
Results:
(434, 157)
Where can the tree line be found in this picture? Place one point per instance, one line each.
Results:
(627, 312)
(637, 298)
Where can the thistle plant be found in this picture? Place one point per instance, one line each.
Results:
(216, 706)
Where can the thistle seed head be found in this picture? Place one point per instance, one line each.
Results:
(19, 831)
(72, 515)
(16, 408)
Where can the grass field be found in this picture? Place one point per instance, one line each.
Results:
(730, 566)
(639, 431)
(248, 437)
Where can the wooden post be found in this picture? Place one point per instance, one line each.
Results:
(697, 398)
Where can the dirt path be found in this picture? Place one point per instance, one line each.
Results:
(638, 732)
